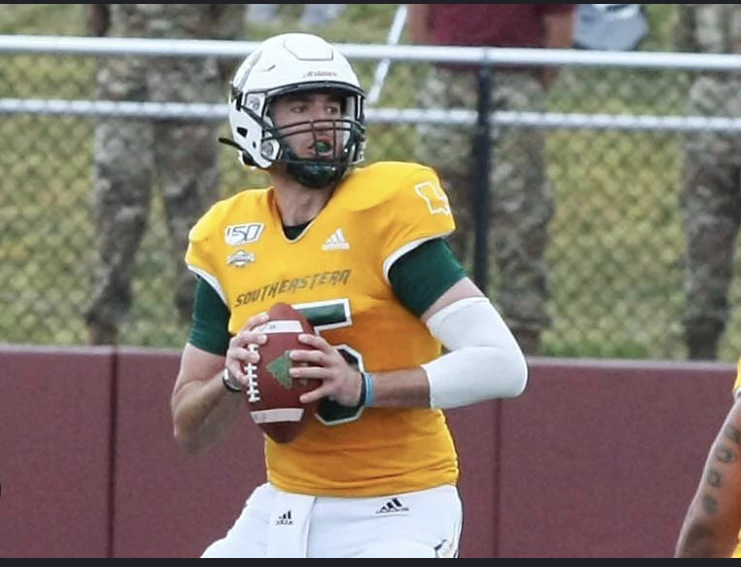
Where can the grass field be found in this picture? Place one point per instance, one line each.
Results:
(616, 249)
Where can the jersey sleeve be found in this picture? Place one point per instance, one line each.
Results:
(420, 277)
(199, 257)
(417, 211)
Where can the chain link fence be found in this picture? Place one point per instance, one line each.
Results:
(614, 125)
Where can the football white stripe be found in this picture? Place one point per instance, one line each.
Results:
(277, 415)
(274, 327)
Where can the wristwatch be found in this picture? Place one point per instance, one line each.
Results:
(230, 382)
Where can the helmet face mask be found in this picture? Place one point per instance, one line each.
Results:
(291, 64)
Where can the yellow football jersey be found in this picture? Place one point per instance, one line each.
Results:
(336, 273)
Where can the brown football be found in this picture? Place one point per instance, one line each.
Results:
(271, 394)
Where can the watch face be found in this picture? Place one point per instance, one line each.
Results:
(230, 382)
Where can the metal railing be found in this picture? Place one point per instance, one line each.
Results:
(481, 56)
(575, 116)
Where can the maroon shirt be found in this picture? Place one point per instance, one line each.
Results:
(492, 25)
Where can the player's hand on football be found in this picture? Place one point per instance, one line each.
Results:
(340, 381)
(239, 352)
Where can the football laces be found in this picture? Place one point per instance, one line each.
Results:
(252, 390)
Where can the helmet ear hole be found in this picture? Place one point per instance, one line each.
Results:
(271, 149)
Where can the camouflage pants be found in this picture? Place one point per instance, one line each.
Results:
(711, 206)
(130, 156)
(521, 197)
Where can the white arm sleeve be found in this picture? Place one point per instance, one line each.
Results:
(484, 362)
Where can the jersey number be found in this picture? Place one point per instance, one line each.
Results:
(326, 315)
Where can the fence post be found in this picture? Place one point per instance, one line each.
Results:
(482, 167)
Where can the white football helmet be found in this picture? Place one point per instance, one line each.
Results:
(289, 63)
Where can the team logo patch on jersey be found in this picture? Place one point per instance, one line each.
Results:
(337, 241)
(435, 197)
(240, 259)
(239, 234)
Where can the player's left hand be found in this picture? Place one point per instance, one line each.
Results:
(340, 381)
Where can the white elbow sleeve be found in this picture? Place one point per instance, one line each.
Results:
(484, 362)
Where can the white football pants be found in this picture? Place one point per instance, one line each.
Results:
(273, 523)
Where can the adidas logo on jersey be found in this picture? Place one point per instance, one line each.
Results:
(336, 241)
(393, 506)
(285, 519)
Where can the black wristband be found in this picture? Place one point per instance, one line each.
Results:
(230, 383)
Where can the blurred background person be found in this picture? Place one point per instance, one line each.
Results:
(610, 27)
(710, 183)
(522, 198)
(131, 154)
(313, 15)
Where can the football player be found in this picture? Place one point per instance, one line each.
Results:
(712, 523)
(361, 251)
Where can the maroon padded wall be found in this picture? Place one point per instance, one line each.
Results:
(595, 459)
(476, 430)
(600, 459)
(55, 422)
(169, 503)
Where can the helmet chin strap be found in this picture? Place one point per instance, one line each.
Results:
(313, 174)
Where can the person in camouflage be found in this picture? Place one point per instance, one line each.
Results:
(522, 199)
(710, 183)
(129, 153)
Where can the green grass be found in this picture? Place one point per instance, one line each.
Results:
(616, 244)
